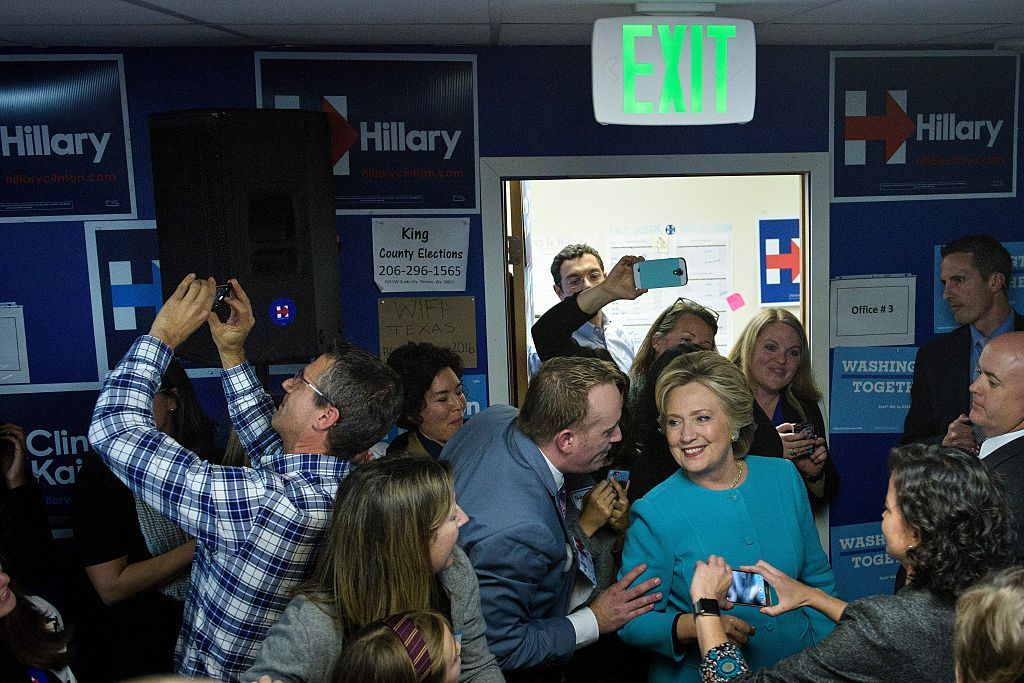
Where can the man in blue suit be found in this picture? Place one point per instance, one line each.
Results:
(976, 272)
(510, 469)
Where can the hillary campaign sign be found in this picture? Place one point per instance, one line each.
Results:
(124, 279)
(64, 152)
(860, 563)
(923, 125)
(780, 261)
(871, 389)
(408, 148)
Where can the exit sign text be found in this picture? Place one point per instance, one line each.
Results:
(673, 70)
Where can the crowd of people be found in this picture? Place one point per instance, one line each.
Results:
(591, 535)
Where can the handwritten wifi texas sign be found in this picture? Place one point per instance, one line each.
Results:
(665, 71)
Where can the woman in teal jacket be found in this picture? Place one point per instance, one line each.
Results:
(720, 502)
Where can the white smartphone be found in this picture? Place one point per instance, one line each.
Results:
(661, 272)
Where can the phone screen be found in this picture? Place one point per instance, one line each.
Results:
(748, 589)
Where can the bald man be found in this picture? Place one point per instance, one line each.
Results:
(997, 407)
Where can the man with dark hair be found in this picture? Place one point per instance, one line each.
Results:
(577, 268)
(511, 471)
(257, 529)
(997, 408)
(975, 274)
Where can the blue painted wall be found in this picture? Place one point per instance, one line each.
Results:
(532, 102)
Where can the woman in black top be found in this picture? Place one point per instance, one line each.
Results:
(773, 354)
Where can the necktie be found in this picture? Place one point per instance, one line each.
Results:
(562, 500)
(979, 435)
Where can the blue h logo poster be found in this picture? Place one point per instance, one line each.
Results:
(780, 261)
(125, 281)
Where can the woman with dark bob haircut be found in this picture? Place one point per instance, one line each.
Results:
(434, 398)
(945, 521)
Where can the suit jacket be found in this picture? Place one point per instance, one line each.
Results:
(516, 540)
(1008, 462)
(942, 375)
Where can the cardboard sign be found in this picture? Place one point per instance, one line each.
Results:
(449, 322)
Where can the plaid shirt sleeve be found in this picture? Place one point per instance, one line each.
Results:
(251, 410)
(216, 504)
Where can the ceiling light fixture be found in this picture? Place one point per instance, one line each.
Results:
(683, 9)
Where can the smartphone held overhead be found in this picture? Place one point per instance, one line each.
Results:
(220, 307)
(658, 273)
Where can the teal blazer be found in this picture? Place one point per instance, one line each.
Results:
(766, 517)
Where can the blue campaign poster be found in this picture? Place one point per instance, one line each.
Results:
(943, 317)
(64, 152)
(411, 147)
(859, 561)
(923, 125)
(124, 279)
(780, 261)
(871, 389)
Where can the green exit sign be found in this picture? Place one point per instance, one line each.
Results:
(670, 71)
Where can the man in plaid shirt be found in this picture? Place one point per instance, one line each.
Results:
(258, 529)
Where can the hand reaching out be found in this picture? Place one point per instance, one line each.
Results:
(185, 311)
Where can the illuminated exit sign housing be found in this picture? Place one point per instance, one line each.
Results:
(673, 71)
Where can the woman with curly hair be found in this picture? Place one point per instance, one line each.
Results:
(945, 520)
(434, 398)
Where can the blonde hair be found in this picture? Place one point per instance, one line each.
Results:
(377, 654)
(724, 380)
(662, 325)
(376, 558)
(803, 386)
(988, 644)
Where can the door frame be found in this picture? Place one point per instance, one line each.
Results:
(814, 166)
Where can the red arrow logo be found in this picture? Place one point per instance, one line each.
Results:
(790, 260)
(343, 135)
(895, 127)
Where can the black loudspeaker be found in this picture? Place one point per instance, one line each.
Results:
(247, 193)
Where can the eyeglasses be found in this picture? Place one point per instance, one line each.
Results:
(299, 376)
(690, 303)
(594, 277)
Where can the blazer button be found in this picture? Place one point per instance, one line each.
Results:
(734, 497)
(748, 540)
(770, 626)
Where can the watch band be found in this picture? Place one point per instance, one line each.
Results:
(706, 607)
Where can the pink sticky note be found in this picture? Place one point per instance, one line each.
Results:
(735, 301)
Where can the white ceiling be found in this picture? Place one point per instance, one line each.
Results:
(160, 23)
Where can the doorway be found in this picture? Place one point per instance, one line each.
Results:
(510, 284)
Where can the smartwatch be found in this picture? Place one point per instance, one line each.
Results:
(706, 607)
